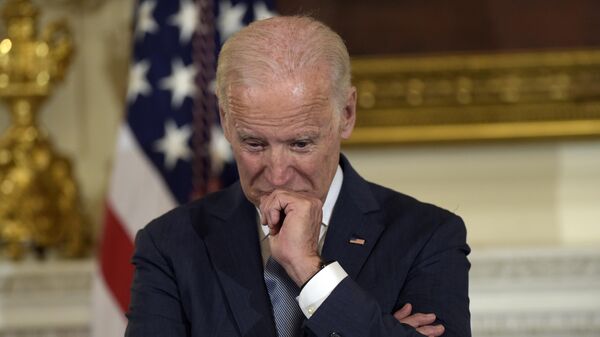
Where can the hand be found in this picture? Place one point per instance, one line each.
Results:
(421, 322)
(294, 222)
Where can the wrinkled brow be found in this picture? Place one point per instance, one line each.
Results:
(311, 133)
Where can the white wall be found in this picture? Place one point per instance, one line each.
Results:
(579, 192)
(512, 193)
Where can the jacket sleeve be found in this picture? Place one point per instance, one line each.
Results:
(155, 308)
(437, 282)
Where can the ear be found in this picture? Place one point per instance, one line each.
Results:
(348, 117)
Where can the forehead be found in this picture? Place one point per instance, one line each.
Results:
(293, 100)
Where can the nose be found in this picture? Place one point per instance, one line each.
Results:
(279, 168)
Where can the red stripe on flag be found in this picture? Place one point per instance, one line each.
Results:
(116, 250)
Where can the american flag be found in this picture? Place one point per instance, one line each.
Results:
(170, 148)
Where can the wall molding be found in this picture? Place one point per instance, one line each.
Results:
(546, 292)
(549, 292)
(69, 3)
(459, 97)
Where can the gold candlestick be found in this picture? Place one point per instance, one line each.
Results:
(39, 199)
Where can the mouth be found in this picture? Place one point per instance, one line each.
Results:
(262, 193)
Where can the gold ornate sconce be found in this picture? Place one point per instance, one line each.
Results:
(39, 202)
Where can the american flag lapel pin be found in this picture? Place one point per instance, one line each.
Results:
(357, 241)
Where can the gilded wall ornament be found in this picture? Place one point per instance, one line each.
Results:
(40, 207)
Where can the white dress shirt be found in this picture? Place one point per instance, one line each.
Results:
(320, 286)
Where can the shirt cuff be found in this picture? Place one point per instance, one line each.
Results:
(316, 291)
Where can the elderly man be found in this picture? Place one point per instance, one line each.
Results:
(302, 245)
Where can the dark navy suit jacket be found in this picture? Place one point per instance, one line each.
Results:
(199, 270)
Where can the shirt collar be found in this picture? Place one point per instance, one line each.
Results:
(330, 200)
(332, 195)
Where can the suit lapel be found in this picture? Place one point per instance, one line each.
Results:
(355, 216)
(233, 247)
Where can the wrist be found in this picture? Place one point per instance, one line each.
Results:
(322, 265)
(302, 271)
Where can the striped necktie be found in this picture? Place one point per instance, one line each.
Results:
(283, 292)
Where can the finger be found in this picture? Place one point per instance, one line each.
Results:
(403, 312)
(274, 218)
(265, 207)
(418, 320)
(431, 330)
(280, 200)
(272, 208)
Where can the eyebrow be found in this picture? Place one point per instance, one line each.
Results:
(307, 135)
(310, 134)
(243, 135)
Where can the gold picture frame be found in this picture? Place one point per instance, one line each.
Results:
(542, 94)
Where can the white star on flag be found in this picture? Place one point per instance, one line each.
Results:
(146, 23)
(261, 11)
(181, 82)
(220, 150)
(138, 82)
(230, 18)
(186, 19)
(174, 144)
(212, 86)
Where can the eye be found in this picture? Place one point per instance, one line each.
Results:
(301, 144)
(254, 145)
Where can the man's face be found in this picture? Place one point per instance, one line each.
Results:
(286, 135)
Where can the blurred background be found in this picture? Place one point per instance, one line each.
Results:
(531, 202)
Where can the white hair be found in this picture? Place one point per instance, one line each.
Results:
(283, 47)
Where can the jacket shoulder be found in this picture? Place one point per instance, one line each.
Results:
(195, 212)
(397, 205)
